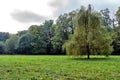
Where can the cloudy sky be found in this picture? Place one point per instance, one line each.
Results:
(17, 15)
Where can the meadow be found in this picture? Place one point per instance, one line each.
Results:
(59, 68)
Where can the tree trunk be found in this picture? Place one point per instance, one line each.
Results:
(88, 51)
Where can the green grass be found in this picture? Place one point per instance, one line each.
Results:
(59, 68)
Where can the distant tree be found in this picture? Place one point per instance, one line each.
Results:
(63, 28)
(4, 36)
(106, 17)
(24, 44)
(38, 43)
(2, 46)
(89, 36)
(116, 46)
(116, 42)
(10, 44)
(42, 35)
(118, 15)
(48, 34)
(20, 33)
(107, 21)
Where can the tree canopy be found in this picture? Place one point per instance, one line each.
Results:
(90, 36)
(82, 31)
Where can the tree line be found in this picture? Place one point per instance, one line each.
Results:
(81, 31)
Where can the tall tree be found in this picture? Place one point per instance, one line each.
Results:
(107, 21)
(106, 17)
(48, 33)
(63, 28)
(89, 36)
(118, 20)
(42, 37)
(118, 15)
(38, 44)
(116, 42)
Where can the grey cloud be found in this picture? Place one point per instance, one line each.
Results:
(63, 6)
(57, 3)
(58, 6)
(27, 16)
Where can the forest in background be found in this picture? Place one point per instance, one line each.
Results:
(49, 37)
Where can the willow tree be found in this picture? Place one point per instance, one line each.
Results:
(89, 36)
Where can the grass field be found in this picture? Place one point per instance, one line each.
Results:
(59, 68)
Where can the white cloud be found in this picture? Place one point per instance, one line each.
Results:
(8, 24)
(46, 8)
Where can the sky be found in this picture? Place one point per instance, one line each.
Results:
(18, 15)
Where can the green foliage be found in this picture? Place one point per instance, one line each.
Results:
(42, 34)
(4, 36)
(116, 46)
(63, 28)
(24, 44)
(59, 68)
(116, 42)
(20, 33)
(48, 34)
(118, 16)
(2, 46)
(107, 21)
(37, 42)
(79, 32)
(106, 17)
(89, 37)
(11, 44)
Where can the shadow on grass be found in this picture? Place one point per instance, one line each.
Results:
(95, 58)
(92, 59)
